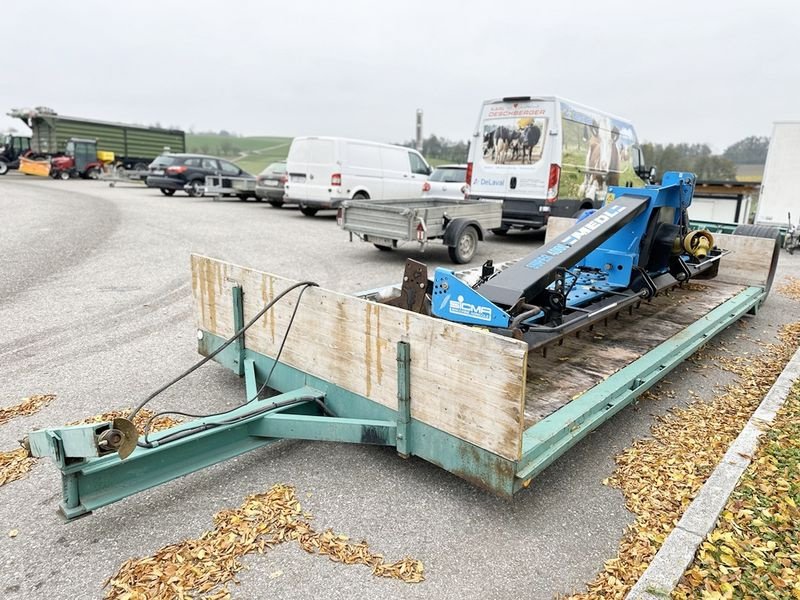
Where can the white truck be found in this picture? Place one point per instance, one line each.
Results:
(779, 197)
(546, 156)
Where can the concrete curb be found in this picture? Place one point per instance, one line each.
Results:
(678, 550)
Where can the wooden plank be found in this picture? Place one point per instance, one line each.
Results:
(749, 261)
(556, 226)
(464, 381)
(581, 363)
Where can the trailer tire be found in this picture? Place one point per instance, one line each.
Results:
(465, 246)
(196, 188)
(62, 175)
(764, 231)
(3, 167)
(308, 210)
(275, 203)
(167, 192)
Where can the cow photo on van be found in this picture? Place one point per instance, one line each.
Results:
(513, 141)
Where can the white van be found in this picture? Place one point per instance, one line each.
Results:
(547, 156)
(324, 171)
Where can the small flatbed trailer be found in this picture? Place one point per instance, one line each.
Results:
(217, 186)
(389, 223)
(494, 405)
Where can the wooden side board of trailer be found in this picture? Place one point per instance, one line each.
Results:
(464, 381)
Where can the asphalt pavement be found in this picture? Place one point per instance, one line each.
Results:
(95, 307)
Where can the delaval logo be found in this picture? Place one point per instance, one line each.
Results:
(594, 223)
(465, 309)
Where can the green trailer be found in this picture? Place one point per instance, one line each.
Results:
(134, 146)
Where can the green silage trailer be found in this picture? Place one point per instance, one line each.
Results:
(134, 146)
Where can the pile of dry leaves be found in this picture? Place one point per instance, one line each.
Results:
(754, 552)
(660, 476)
(15, 464)
(28, 406)
(207, 564)
(790, 287)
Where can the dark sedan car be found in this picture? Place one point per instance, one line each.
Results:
(270, 182)
(187, 172)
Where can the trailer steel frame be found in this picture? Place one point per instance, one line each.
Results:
(90, 483)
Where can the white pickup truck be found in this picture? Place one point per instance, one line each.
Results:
(460, 224)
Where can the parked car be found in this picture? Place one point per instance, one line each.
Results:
(187, 172)
(446, 181)
(270, 182)
(324, 171)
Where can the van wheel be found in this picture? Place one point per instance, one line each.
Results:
(361, 196)
(167, 192)
(465, 246)
(276, 203)
(308, 211)
(383, 248)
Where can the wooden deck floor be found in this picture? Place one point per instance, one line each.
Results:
(581, 363)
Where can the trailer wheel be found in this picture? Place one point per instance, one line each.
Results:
(308, 211)
(465, 246)
(196, 189)
(62, 175)
(3, 167)
(276, 203)
(764, 231)
(167, 192)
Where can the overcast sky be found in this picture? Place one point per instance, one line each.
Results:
(694, 71)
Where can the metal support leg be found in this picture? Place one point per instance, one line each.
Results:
(250, 386)
(403, 398)
(238, 323)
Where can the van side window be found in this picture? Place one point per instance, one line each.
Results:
(418, 165)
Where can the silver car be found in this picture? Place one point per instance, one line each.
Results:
(447, 181)
(270, 182)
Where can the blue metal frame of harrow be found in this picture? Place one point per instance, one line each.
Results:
(95, 482)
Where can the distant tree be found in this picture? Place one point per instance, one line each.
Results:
(224, 133)
(695, 158)
(749, 151)
(204, 149)
(440, 148)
